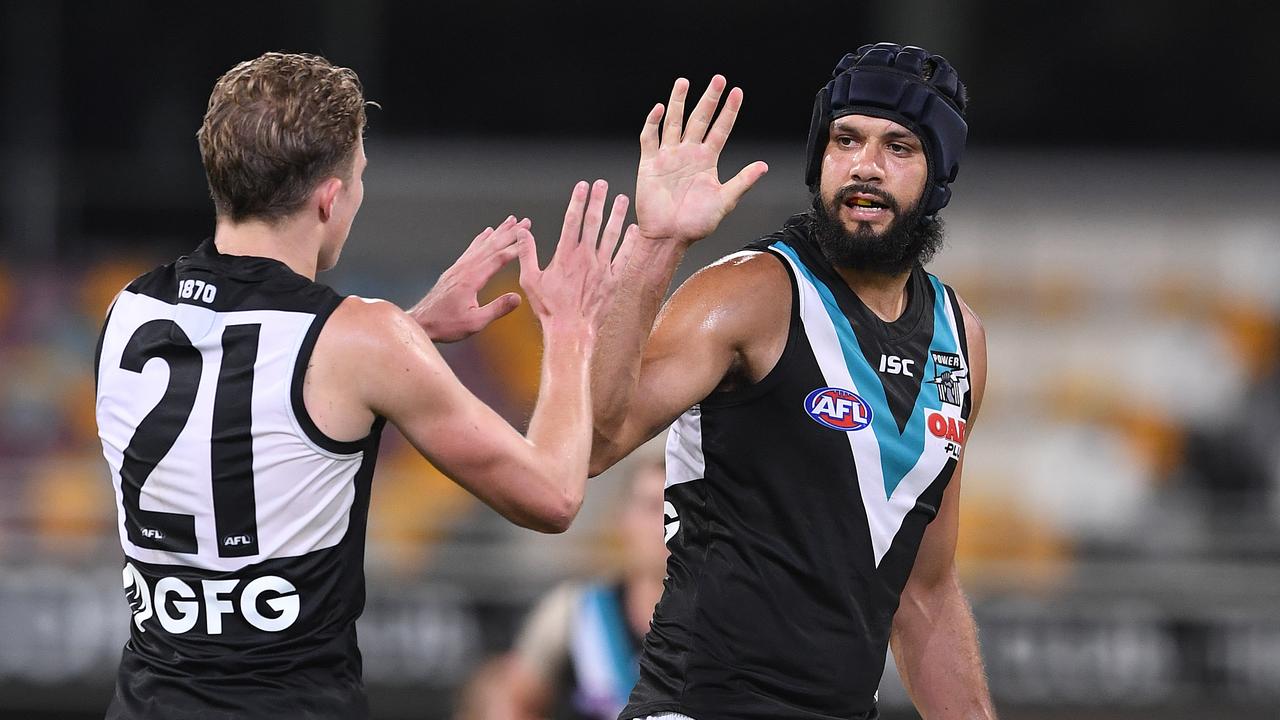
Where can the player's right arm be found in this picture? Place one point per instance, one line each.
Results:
(373, 359)
(679, 200)
(724, 327)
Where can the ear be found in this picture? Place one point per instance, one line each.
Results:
(325, 195)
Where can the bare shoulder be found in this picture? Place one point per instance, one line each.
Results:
(738, 288)
(367, 348)
(739, 306)
(744, 269)
(976, 336)
(375, 343)
(361, 325)
(974, 330)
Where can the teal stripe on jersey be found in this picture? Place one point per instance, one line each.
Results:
(899, 451)
(626, 671)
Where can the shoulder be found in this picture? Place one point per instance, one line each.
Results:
(371, 338)
(364, 322)
(740, 285)
(975, 332)
(743, 270)
(976, 339)
(736, 312)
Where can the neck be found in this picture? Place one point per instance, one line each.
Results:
(884, 295)
(641, 592)
(290, 242)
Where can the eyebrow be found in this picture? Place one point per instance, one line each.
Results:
(891, 135)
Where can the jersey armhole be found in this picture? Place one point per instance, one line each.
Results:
(771, 378)
(962, 338)
(97, 352)
(298, 402)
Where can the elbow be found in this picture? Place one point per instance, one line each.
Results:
(597, 466)
(604, 454)
(558, 514)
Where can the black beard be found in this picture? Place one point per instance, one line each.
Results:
(911, 238)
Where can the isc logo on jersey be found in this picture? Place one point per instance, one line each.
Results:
(838, 409)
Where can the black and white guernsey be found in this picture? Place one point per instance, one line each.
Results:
(795, 506)
(242, 524)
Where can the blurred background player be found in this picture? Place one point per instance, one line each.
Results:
(240, 406)
(576, 654)
(820, 384)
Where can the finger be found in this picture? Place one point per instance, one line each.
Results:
(612, 230)
(675, 112)
(476, 243)
(528, 253)
(739, 184)
(500, 306)
(497, 261)
(625, 250)
(501, 236)
(571, 230)
(649, 133)
(700, 118)
(724, 124)
(595, 214)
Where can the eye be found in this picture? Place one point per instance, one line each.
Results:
(844, 141)
(898, 148)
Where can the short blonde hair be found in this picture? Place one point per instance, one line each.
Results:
(275, 128)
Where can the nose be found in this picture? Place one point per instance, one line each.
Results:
(868, 164)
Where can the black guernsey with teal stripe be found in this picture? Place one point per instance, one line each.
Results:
(796, 506)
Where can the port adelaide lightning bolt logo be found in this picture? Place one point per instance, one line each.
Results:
(952, 380)
(137, 594)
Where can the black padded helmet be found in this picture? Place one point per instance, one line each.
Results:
(887, 81)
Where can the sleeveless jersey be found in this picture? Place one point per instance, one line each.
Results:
(242, 524)
(795, 506)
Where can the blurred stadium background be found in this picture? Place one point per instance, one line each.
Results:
(1114, 224)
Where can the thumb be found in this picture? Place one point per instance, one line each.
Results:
(497, 308)
(739, 184)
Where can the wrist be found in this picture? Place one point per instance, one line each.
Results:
(576, 334)
(430, 323)
(663, 242)
(659, 251)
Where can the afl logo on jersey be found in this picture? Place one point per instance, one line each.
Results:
(838, 409)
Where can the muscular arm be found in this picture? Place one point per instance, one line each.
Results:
(679, 200)
(615, 373)
(726, 324)
(934, 636)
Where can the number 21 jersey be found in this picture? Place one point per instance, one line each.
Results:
(242, 524)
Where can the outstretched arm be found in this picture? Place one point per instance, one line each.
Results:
(374, 359)
(934, 636)
(679, 200)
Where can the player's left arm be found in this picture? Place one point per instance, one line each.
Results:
(934, 636)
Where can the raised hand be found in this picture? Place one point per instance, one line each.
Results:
(452, 310)
(679, 195)
(579, 281)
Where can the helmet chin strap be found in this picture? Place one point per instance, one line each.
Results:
(884, 80)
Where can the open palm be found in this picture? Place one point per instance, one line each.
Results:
(679, 195)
